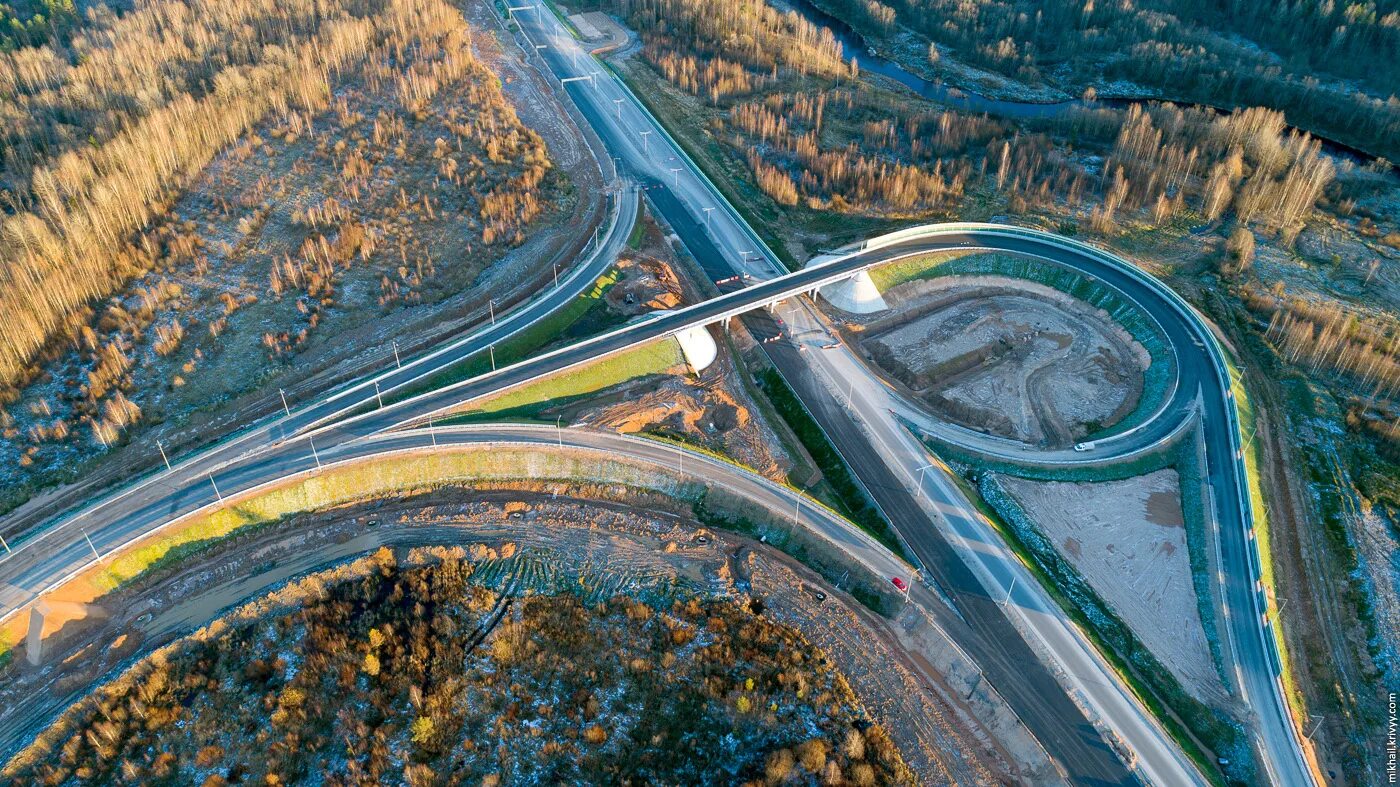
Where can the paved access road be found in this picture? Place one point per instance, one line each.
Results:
(714, 233)
(59, 534)
(722, 242)
(18, 724)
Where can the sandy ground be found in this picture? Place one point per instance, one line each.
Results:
(906, 673)
(712, 409)
(1008, 357)
(599, 31)
(1128, 540)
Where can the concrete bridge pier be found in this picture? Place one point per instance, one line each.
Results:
(698, 347)
(857, 295)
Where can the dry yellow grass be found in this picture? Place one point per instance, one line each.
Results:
(338, 485)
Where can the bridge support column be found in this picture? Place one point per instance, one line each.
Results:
(34, 643)
(857, 295)
(698, 346)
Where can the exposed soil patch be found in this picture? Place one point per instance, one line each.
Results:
(647, 284)
(712, 410)
(1127, 539)
(1010, 358)
(519, 543)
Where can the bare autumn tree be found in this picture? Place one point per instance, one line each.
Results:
(1186, 49)
(85, 165)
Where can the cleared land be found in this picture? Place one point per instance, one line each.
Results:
(1291, 248)
(391, 206)
(1013, 358)
(521, 544)
(1128, 540)
(473, 683)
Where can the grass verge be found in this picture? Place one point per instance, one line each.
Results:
(555, 325)
(407, 474)
(1131, 468)
(528, 400)
(850, 498)
(1293, 693)
(1192, 724)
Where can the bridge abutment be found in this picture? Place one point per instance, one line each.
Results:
(857, 295)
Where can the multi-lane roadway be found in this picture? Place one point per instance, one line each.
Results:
(722, 242)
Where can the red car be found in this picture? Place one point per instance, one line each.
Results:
(899, 583)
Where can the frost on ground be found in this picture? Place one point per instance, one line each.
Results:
(304, 246)
(1379, 554)
(1128, 540)
(552, 638)
(1008, 357)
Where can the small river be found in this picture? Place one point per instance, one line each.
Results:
(853, 47)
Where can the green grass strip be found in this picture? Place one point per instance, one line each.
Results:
(850, 498)
(556, 325)
(652, 358)
(1185, 718)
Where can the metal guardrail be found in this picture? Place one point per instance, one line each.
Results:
(546, 441)
(614, 205)
(1219, 365)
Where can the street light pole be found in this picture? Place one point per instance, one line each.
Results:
(491, 305)
(645, 134)
(1315, 726)
(217, 493)
(397, 363)
(921, 478)
(377, 395)
(162, 454)
(1007, 600)
(285, 408)
(314, 455)
(90, 546)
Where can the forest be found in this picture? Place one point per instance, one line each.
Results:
(1329, 67)
(101, 135)
(193, 194)
(1288, 243)
(812, 139)
(380, 672)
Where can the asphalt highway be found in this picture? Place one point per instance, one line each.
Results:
(161, 490)
(18, 723)
(719, 239)
(28, 572)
